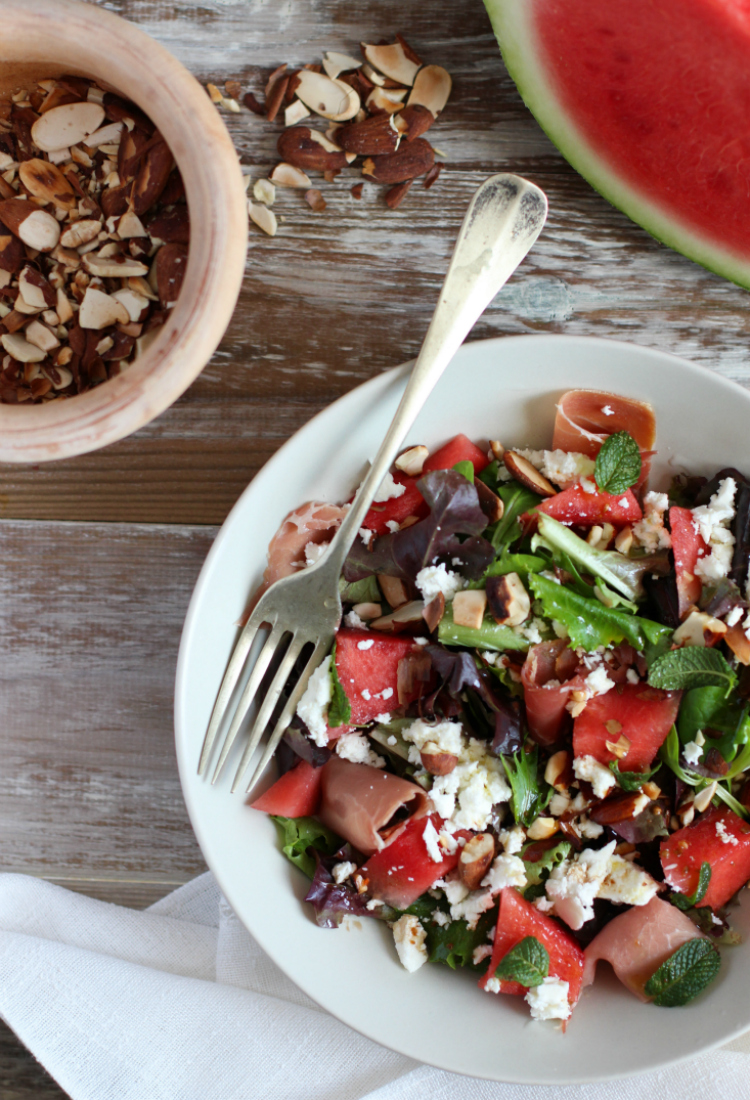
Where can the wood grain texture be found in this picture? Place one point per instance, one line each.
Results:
(336, 297)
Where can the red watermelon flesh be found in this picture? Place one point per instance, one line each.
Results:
(649, 101)
(643, 714)
(367, 667)
(720, 838)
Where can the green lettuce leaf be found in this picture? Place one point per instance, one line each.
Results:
(516, 499)
(339, 708)
(490, 635)
(530, 794)
(299, 834)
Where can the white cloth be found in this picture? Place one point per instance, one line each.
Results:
(179, 1003)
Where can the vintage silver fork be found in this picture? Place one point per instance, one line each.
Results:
(504, 219)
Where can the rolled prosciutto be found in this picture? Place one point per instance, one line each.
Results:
(637, 942)
(585, 418)
(549, 674)
(358, 802)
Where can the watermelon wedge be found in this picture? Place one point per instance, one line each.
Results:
(648, 101)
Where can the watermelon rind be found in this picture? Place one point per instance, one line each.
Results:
(513, 24)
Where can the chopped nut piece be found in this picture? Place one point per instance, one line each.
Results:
(703, 798)
(392, 61)
(67, 125)
(286, 175)
(98, 310)
(367, 611)
(264, 191)
(469, 607)
(542, 828)
(522, 470)
(332, 99)
(394, 590)
(295, 112)
(315, 200)
(264, 218)
(475, 859)
(619, 748)
(508, 600)
(431, 89)
(412, 461)
(21, 349)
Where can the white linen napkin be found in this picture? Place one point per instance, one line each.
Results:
(180, 1003)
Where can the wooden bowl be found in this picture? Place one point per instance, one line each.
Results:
(41, 39)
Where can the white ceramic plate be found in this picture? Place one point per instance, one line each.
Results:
(502, 389)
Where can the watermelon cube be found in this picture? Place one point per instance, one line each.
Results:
(576, 506)
(295, 794)
(687, 546)
(397, 509)
(458, 449)
(367, 667)
(518, 918)
(644, 715)
(718, 837)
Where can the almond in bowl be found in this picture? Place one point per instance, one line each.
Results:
(122, 229)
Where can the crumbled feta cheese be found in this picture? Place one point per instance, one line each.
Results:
(692, 752)
(366, 535)
(386, 693)
(368, 643)
(353, 620)
(627, 884)
(549, 1001)
(356, 748)
(544, 905)
(472, 907)
(467, 794)
(492, 985)
(434, 579)
(532, 631)
(341, 871)
(650, 531)
(313, 706)
(632, 676)
(389, 490)
(573, 884)
(588, 485)
(513, 839)
(365, 693)
(598, 775)
(430, 838)
(712, 522)
(561, 467)
(314, 551)
(608, 410)
(559, 803)
(505, 871)
(392, 525)
(724, 836)
(734, 616)
(598, 682)
(445, 736)
(455, 891)
(409, 937)
(392, 740)
(588, 829)
(440, 918)
(479, 954)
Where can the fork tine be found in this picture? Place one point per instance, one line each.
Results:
(288, 712)
(267, 707)
(229, 683)
(259, 669)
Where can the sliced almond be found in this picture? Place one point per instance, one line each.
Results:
(412, 460)
(33, 226)
(619, 748)
(136, 305)
(113, 267)
(522, 470)
(142, 286)
(99, 310)
(408, 616)
(315, 200)
(380, 100)
(392, 61)
(41, 337)
(105, 135)
(130, 225)
(80, 232)
(286, 175)
(20, 349)
(330, 98)
(46, 182)
(35, 290)
(295, 112)
(367, 611)
(336, 63)
(67, 125)
(699, 629)
(63, 308)
(394, 590)
(489, 502)
(624, 540)
(469, 607)
(437, 762)
(264, 218)
(264, 191)
(559, 770)
(508, 600)
(475, 859)
(432, 88)
(542, 828)
(738, 642)
(704, 798)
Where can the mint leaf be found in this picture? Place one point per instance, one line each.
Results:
(454, 944)
(527, 963)
(691, 667)
(684, 975)
(339, 708)
(618, 464)
(466, 468)
(687, 901)
(298, 834)
(632, 781)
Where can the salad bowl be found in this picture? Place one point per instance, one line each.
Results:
(503, 389)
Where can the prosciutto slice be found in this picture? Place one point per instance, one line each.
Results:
(549, 674)
(585, 418)
(637, 942)
(358, 802)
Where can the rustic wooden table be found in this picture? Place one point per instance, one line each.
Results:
(99, 554)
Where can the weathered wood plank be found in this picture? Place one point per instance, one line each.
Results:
(90, 622)
(21, 1076)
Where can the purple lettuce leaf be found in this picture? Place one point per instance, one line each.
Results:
(454, 510)
(332, 900)
(645, 826)
(459, 673)
(297, 745)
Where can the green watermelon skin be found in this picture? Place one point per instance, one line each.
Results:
(650, 102)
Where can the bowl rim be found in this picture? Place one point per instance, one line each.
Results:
(87, 39)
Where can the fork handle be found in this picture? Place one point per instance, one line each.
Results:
(504, 219)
